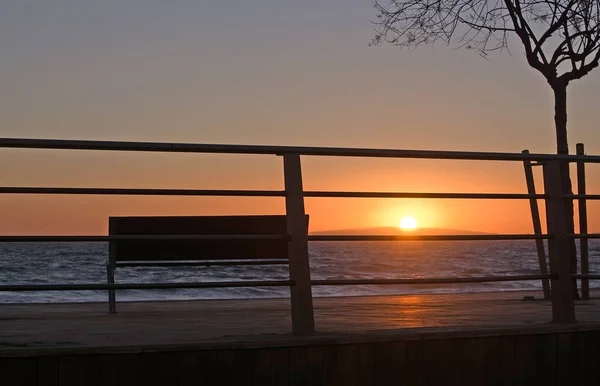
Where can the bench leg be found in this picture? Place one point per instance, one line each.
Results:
(112, 303)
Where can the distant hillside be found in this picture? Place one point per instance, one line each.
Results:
(397, 231)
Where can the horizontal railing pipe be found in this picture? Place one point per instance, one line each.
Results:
(425, 237)
(584, 235)
(92, 238)
(141, 191)
(441, 195)
(268, 283)
(210, 263)
(276, 193)
(146, 286)
(590, 277)
(583, 196)
(88, 238)
(439, 280)
(25, 143)
(259, 193)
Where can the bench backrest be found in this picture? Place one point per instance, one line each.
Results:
(198, 250)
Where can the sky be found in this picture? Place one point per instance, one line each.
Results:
(262, 72)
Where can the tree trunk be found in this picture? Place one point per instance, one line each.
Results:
(562, 147)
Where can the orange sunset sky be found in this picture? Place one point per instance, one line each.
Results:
(263, 72)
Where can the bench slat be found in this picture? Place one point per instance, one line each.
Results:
(198, 249)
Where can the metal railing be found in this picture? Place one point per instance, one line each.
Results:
(300, 283)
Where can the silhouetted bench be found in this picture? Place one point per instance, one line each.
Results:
(195, 252)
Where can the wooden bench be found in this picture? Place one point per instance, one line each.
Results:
(195, 252)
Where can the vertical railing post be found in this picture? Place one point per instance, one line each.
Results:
(110, 267)
(583, 226)
(537, 226)
(563, 304)
(303, 321)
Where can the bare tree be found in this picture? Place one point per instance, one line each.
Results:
(561, 39)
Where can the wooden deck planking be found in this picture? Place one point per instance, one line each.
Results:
(173, 322)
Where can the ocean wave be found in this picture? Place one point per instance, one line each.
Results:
(41, 263)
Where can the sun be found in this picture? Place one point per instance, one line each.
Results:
(408, 223)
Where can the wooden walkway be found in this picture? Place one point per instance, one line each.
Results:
(174, 322)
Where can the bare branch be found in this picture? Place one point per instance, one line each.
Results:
(552, 32)
(555, 24)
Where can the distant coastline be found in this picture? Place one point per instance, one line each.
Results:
(398, 231)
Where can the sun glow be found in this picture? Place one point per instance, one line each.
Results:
(408, 223)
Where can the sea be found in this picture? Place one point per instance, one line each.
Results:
(61, 263)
